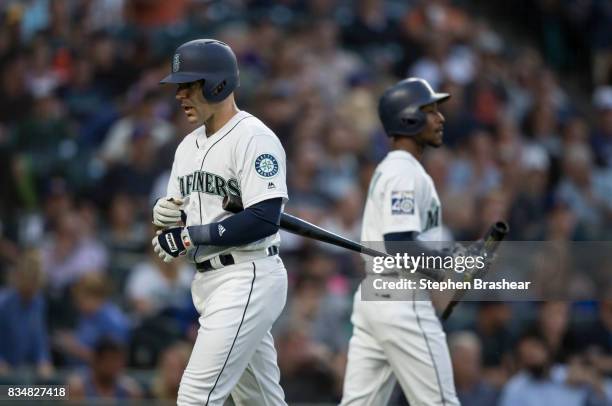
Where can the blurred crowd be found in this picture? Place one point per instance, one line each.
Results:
(87, 138)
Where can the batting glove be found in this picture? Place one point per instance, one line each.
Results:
(167, 212)
(172, 242)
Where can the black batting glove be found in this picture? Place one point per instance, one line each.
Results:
(171, 243)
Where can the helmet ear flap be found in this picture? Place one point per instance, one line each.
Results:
(203, 88)
(215, 92)
(412, 122)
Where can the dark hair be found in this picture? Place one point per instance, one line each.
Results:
(107, 345)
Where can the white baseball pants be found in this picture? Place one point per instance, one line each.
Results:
(397, 340)
(234, 351)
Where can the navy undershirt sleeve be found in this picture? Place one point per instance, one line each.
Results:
(414, 248)
(253, 223)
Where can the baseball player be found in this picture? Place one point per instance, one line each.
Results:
(241, 284)
(402, 340)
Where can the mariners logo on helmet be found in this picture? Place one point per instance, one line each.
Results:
(266, 165)
(176, 63)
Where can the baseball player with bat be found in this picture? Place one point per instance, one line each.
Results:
(395, 341)
(241, 284)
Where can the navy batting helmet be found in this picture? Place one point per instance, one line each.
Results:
(400, 105)
(209, 60)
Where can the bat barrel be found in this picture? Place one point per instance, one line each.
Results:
(492, 239)
(496, 233)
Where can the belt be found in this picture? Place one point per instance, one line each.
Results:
(222, 260)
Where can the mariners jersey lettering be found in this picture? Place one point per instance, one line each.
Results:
(244, 158)
(206, 182)
(401, 198)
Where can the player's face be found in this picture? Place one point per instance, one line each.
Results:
(433, 132)
(196, 108)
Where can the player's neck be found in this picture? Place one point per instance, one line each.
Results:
(408, 144)
(226, 111)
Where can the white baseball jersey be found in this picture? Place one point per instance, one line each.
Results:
(399, 340)
(243, 158)
(401, 198)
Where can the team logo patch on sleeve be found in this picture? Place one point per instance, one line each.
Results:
(402, 202)
(266, 165)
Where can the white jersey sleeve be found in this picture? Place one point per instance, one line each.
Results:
(173, 183)
(401, 208)
(262, 172)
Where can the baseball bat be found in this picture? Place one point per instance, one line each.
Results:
(303, 228)
(492, 239)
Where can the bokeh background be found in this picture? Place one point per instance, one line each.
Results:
(87, 138)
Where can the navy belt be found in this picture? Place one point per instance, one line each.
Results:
(228, 259)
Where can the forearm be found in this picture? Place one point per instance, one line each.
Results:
(254, 223)
(407, 243)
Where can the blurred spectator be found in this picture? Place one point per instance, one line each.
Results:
(154, 286)
(492, 207)
(585, 191)
(339, 64)
(552, 326)
(596, 337)
(542, 127)
(306, 372)
(58, 200)
(170, 369)
(24, 341)
(98, 318)
(88, 103)
(575, 131)
(15, 100)
(537, 379)
(530, 203)
(345, 218)
(493, 331)
(43, 141)
(436, 16)
(136, 176)
(370, 27)
(141, 121)
(477, 173)
(465, 352)
(104, 378)
(561, 223)
(111, 70)
(602, 134)
(148, 14)
(338, 171)
(103, 14)
(41, 79)
(126, 238)
(68, 253)
(598, 15)
(318, 303)
(305, 169)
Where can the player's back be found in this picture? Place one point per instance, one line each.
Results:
(401, 198)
